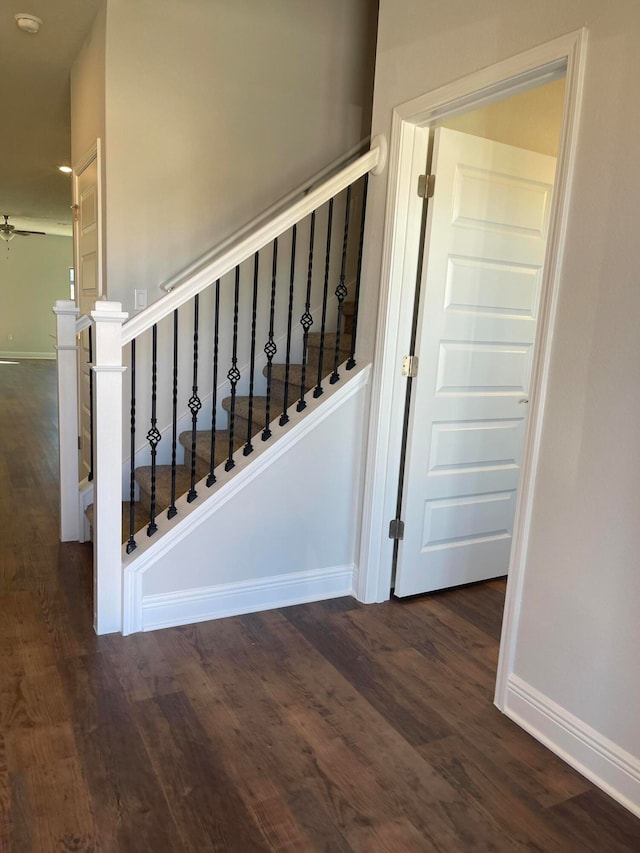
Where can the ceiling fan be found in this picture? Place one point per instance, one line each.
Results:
(8, 232)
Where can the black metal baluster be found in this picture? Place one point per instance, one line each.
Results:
(318, 390)
(306, 321)
(131, 543)
(284, 417)
(341, 289)
(270, 347)
(352, 362)
(234, 374)
(195, 403)
(153, 436)
(173, 511)
(248, 448)
(90, 475)
(214, 394)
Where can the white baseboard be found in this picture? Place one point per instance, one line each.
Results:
(601, 760)
(16, 356)
(168, 610)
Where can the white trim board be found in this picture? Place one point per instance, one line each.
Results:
(409, 139)
(16, 356)
(168, 610)
(602, 761)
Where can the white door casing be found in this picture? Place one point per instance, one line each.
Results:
(484, 252)
(87, 199)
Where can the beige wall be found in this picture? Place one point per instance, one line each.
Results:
(34, 273)
(213, 111)
(530, 120)
(88, 90)
(579, 632)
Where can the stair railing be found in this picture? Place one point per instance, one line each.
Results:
(260, 297)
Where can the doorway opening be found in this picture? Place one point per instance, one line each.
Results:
(411, 128)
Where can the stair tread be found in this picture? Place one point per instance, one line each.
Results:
(203, 446)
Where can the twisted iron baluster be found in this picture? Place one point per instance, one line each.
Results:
(172, 511)
(195, 404)
(234, 374)
(270, 347)
(90, 475)
(153, 436)
(341, 289)
(318, 390)
(214, 394)
(248, 448)
(306, 321)
(284, 417)
(351, 363)
(132, 544)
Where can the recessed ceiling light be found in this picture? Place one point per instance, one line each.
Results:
(66, 169)
(28, 23)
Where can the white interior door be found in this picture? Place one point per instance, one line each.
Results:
(484, 251)
(88, 277)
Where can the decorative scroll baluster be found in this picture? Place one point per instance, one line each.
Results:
(234, 374)
(306, 321)
(214, 394)
(153, 436)
(131, 543)
(173, 511)
(248, 448)
(318, 390)
(341, 289)
(195, 403)
(284, 417)
(351, 363)
(270, 347)
(90, 474)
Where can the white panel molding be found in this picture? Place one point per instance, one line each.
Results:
(168, 610)
(228, 484)
(16, 356)
(602, 761)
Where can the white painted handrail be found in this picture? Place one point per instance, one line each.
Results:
(82, 323)
(227, 258)
(299, 192)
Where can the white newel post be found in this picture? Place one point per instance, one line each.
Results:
(67, 361)
(107, 425)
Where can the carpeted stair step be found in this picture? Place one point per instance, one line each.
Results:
(348, 309)
(329, 351)
(278, 375)
(258, 415)
(141, 518)
(203, 448)
(163, 485)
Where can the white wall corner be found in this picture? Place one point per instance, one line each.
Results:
(602, 761)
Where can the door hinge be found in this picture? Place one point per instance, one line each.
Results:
(426, 185)
(396, 528)
(79, 443)
(76, 212)
(410, 366)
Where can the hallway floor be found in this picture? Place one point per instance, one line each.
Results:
(330, 726)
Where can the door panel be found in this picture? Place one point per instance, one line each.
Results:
(484, 250)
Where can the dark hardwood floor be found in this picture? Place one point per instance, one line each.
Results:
(329, 726)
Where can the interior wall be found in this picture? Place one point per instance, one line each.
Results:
(578, 631)
(34, 273)
(88, 90)
(217, 112)
(530, 120)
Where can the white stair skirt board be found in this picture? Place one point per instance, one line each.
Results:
(168, 610)
(602, 761)
(192, 518)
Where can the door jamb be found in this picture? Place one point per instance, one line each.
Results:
(409, 139)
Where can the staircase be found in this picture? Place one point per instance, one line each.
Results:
(243, 310)
(242, 432)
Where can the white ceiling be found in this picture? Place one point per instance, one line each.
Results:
(34, 92)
